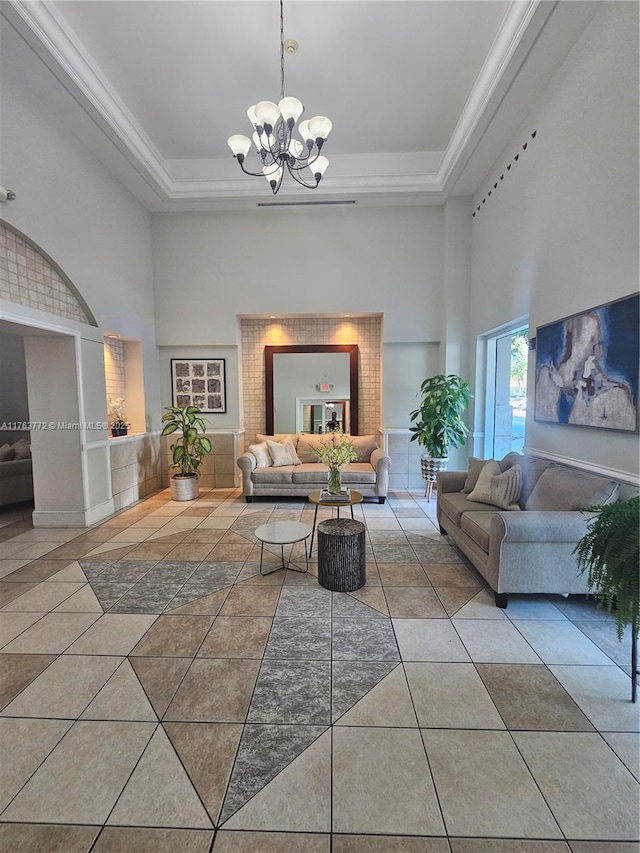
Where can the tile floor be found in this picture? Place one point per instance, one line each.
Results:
(157, 694)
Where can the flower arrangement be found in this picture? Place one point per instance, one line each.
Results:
(116, 410)
(336, 451)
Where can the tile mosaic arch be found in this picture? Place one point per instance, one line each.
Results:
(30, 277)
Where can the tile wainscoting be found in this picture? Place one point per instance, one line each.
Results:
(136, 467)
(405, 458)
(218, 470)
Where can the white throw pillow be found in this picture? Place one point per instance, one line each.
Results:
(500, 489)
(261, 452)
(283, 454)
(6, 453)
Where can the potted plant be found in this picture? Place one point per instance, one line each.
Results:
(188, 451)
(117, 417)
(438, 422)
(609, 552)
(334, 452)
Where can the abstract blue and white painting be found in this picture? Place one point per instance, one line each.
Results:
(587, 368)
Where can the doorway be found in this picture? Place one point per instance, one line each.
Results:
(506, 390)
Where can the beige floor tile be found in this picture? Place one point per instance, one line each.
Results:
(24, 744)
(44, 596)
(270, 842)
(195, 701)
(207, 751)
(121, 698)
(7, 567)
(16, 671)
(590, 791)
(159, 792)
(451, 695)
(208, 605)
(492, 641)
(251, 601)
(481, 606)
(81, 779)
(532, 607)
(29, 838)
(428, 640)
(411, 602)
(382, 784)
(113, 634)
(160, 678)
(603, 694)
(402, 574)
(626, 746)
(603, 847)
(507, 845)
(13, 624)
(82, 601)
(387, 704)
(72, 573)
(174, 636)
(64, 689)
(237, 637)
(479, 775)
(284, 803)
(126, 839)
(561, 643)
(372, 596)
(453, 575)
(52, 634)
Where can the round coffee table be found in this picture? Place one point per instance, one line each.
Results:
(283, 533)
(315, 498)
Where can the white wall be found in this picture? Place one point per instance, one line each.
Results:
(560, 234)
(211, 266)
(73, 208)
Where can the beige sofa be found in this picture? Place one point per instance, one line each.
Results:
(16, 478)
(530, 550)
(369, 475)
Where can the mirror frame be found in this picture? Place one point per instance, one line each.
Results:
(351, 349)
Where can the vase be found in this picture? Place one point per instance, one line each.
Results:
(334, 486)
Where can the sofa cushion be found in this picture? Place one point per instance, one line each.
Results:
(500, 489)
(531, 468)
(313, 473)
(273, 476)
(279, 437)
(261, 452)
(307, 445)
(563, 489)
(474, 466)
(454, 504)
(283, 454)
(364, 445)
(6, 453)
(357, 472)
(477, 526)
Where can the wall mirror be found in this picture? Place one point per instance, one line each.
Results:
(305, 385)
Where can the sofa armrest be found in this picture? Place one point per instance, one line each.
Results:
(450, 481)
(381, 464)
(539, 526)
(247, 463)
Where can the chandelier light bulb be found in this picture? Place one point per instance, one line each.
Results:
(319, 127)
(291, 108)
(305, 133)
(239, 144)
(251, 115)
(319, 167)
(267, 113)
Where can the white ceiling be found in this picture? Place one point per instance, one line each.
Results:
(423, 94)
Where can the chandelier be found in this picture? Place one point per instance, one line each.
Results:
(273, 126)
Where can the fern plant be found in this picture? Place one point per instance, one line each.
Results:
(610, 553)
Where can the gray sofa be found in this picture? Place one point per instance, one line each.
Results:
(16, 478)
(369, 475)
(528, 549)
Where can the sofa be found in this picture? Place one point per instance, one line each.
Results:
(16, 478)
(518, 521)
(264, 476)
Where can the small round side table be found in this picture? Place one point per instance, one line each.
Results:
(283, 533)
(341, 554)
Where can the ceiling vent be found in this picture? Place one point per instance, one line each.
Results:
(302, 203)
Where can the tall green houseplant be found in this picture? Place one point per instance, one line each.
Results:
(188, 451)
(610, 553)
(438, 418)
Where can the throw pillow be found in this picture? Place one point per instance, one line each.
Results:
(500, 489)
(22, 449)
(6, 453)
(283, 454)
(474, 466)
(561, 489)
(261, 452)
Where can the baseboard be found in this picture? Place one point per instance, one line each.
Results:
(72, 518)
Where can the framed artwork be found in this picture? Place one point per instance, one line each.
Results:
(587, 368)
(199, 382)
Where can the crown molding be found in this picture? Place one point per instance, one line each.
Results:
(55, 42)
